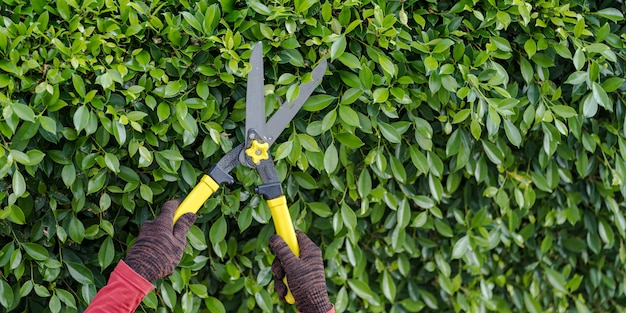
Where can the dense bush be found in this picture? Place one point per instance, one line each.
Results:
(459, 155)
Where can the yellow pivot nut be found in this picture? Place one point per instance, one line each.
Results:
(258, 151)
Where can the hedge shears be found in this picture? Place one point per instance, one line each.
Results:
(260, 135)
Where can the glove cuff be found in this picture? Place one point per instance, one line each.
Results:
(141, 268)
(318, 301)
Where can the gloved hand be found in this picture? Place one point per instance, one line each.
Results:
(160, 245)
(305, 275)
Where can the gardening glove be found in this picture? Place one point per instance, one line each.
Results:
(160, 245)
(305, 275)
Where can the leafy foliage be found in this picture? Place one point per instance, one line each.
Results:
(459, 155)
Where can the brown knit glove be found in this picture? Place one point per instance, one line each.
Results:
(305, 275)
(160, 244)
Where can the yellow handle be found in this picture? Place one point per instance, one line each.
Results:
(284, 228)
(203, 190)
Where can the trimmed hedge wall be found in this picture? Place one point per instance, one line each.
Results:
(459, 156)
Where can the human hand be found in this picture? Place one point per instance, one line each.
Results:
(160, 245)
(305, 275)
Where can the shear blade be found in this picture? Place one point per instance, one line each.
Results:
(287, 111)
(255, 100)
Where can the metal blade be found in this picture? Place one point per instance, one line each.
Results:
(287, 111)
(255, 102)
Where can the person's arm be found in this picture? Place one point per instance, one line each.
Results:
(155, 254)
(305, 274)
(123, 292)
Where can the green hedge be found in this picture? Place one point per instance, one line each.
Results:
(459, 156)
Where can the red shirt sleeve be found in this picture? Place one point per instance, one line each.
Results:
(122, 293)
(332, 310)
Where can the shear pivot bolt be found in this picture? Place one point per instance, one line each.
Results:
(257, 151)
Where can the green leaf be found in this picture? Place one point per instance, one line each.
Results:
(556, 279)
(304, 5)
(362, 290)
(66, 297)
(68, 174)
(283, 150)
(388, 66)
(19, 184)
(35, 251)
(493, 152)
(460, 247)
(612, 14)
(577, 78)
(54, 304)
(106, 253)
(349, 60)
(388, 286)
(308, 143)
(15, 214)
(320, 208)
(380, 95)
(543, 60)
(171, 155)
(443, 228)
(531, 303)
(612, 84)
(260, 8)
(305, 180)
(442, 45)
(579, 59)
(431, 63)
(329, 120)
(349, 217)
(349, 116)
(263, 300)
(512, 133)
(48, 124)
(112, 162)
(191, 20)
(349, 140)
(397, 168)
(338, 47)
(331, 159)
(7, 66)
(318, 102)
(169, 295)
(540, 181)
(564, 111)
(214, 305)
(606, 232)
(81, 118)
(600, 96)
(23, 111)
(146, 192)
(590, 106)
(76, 230)
(364, 183)
(79, 272)
(530, 47)
(527, 70)
(217, 233)
(389, 132)
(79, 85)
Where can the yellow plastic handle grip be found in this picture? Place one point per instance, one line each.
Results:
(284, 228)
(196, 198)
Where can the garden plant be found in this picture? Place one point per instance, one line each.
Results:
(459, 156)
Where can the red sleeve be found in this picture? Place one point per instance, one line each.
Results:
(123, 292)
(332, 310)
